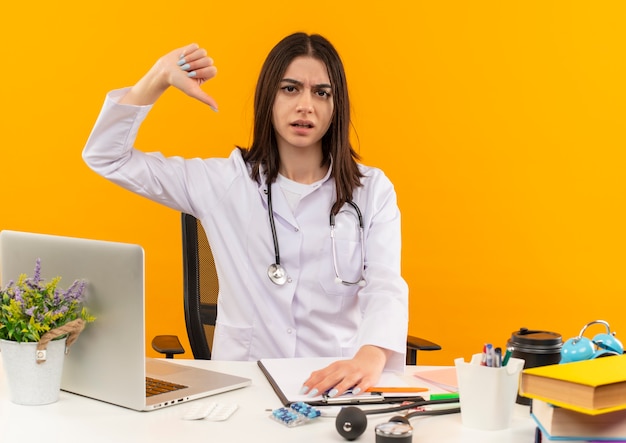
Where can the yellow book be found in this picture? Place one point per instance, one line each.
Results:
(591, 386)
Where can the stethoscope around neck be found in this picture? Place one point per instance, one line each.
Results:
(277, 273)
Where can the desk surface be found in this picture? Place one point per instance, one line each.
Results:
(77, 419)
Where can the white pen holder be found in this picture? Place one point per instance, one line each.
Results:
(487, 395)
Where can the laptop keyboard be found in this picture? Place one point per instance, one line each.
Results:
(156, 387)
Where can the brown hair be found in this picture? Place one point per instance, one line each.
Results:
(336, 141)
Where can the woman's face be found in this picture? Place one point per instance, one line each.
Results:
(303, 108)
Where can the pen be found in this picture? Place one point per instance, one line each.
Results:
(507, 355)
(489, 353)
(483, 361)
(497, 361)
(446, 396)
(395, 389)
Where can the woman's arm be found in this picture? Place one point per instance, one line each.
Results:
(109, 150)
(359, 373)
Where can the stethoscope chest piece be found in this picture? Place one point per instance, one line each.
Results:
(394, 432)
(277, 274)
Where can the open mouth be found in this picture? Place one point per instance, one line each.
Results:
(302, 125)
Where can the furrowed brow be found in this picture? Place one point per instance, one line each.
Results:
(299, 83)
(291, 81)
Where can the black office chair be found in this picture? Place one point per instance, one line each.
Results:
(200, 300)
(200, 290)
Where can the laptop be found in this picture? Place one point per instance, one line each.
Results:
(108, 361)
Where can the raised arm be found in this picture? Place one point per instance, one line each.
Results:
(110, 151)
(184, 68)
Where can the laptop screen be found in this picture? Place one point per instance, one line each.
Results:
(114, 273)
(108, 361)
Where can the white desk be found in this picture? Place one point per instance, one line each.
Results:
(77, 419)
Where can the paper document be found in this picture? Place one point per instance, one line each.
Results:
(287, 375)
(444, 378)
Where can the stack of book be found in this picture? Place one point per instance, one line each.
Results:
(579, 401)
(558, 423)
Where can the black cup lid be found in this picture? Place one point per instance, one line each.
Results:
(532, 338)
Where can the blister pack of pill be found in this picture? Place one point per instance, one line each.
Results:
(210, 411)
(296, 414)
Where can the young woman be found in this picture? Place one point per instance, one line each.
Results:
(306, 240)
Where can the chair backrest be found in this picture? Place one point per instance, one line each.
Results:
(201, 287)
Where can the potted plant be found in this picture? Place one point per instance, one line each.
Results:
(38, 323)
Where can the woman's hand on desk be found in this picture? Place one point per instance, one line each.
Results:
(359, 373)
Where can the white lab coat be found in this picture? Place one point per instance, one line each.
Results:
(311, 315)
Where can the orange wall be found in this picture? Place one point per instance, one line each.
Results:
(501, 124)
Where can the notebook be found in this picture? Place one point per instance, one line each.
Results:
(442, 378)
(108, 361)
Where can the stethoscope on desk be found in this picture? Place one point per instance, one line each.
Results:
(277, 273)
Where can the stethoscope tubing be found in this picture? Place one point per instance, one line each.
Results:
(360, 281)
(276, 272)
(270, 211)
